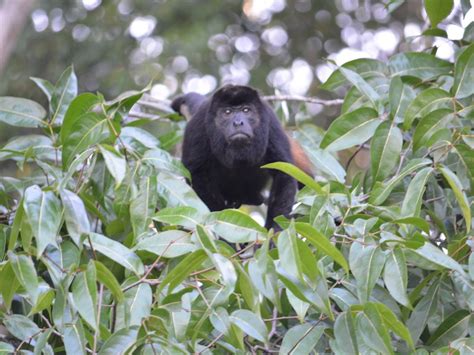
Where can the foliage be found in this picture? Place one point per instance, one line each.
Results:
(105, 248)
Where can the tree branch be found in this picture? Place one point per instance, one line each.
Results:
(312, 100)
(13, 16)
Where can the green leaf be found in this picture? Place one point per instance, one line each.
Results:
(464, 287)
(206, 240)
(371, 329)
(310, 135)
(43, 210)
(46, 87)
(395, 276)
(392, 322)
(20, 327)
(75, 215)
(414, 196)
(228, 273)
(424, 309)
(124, 102)
(438, 10)
(366, 262)
(84, 294)
(178, 274)
(143, 205)
(250, 323)
(381, 191)
(45, 300)
(420, 65)
(73, 167)
(116, 252)
(296, 173)
(20, 112)
(466, 156)
(326, 163)
(177, 193)
(184, 216)
(263, 275)
(366, 68)
(120, 342)
(74, 338)
(435, 32)
(300, 307)
(138, 137)
(64, 92)
(320, 241)
(29, 146)
(461, 197)
(91, 128)
(344, 334)
(363, 86)
(343, 298)
(290, 258)
(169, 244)
(301, 339)
(471, 266)
(350, 129)
(435, 255)
(79, 106)
(464, 74)
(9, 284)
(135, 307)
(220, 321)
(42, 346)
(25, 273)
(455, 326)
(315, 292)
(6, 348)
(236, 226)
(161, 160)
(400, 96)
(385, 150)
(426, 102)
(105, 276)
(430, 125)
(115, 162)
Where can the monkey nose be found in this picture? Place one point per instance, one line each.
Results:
(238, 123)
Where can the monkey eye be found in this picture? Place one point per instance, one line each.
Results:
(227, 111)
(246, 109)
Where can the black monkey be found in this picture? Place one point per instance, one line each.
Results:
(227, 139)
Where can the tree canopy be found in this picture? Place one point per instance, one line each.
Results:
(105, 248)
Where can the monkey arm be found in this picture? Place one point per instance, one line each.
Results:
(206, 189)
(283, 190)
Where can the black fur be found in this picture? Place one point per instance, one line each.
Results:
(226, 171)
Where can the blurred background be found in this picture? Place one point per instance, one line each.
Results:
(277, 46)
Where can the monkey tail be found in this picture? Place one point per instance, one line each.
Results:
(300, 157)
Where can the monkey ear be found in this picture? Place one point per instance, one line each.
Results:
(181, 106)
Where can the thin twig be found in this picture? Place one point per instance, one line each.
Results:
(313, 100)
(94, 255)
(208, 346)
(138, 114)
(251, 245)
(354, 155)
(402, 159)
(143, 279)
(274, 323)
(164, 105)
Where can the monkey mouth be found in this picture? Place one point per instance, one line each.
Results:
(239, 136)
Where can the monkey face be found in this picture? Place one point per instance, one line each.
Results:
(237, 123)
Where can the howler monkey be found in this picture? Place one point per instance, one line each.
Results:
(227, 139)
